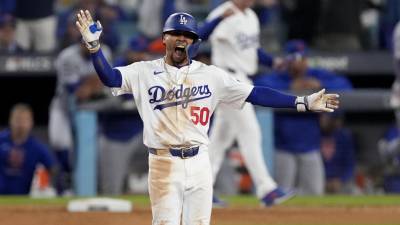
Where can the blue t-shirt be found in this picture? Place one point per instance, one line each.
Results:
(17, 179)
(300, 132)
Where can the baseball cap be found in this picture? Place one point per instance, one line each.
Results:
(296, 47)
(138, 43)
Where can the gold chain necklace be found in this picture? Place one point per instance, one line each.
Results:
(175, 80)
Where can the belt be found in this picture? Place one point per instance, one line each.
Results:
(184, 153)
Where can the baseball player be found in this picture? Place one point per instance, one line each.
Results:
(235, 47)
(175, 97)
(75, 75)
(395, 96)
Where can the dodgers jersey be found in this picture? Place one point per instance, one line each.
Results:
(235, 40)
(176, 104)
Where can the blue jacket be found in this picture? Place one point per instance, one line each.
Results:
(300, 132)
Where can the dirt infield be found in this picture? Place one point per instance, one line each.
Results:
(284, 215)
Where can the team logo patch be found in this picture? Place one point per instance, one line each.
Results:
(177, 96)
(183, 20)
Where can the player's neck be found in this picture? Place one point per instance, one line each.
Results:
(170, 62)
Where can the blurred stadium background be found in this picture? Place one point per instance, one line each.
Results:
(366, 60)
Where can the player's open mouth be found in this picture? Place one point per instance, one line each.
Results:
(180, 50)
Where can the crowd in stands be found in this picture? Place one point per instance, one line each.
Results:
(48, 25)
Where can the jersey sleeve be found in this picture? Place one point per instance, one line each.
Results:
(222, 29)
(233, 92)
(396, 42)
(130, 76)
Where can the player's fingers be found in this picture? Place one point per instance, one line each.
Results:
(81, 20)
(83, 16)
(325, 109)
(88, 16)
(332, 106)
(319, 94)
(332, 96)
(78, 25)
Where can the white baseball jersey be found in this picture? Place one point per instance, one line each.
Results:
(72, 67)
(235, 40)
(176, 104)
(396, 42)
(395, 97)
(234, 44)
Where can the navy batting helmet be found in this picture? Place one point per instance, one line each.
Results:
(181, 22)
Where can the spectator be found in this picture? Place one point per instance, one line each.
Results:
(70, 35)
(389, 144)
(389, 151)
(339, 25)
(153, 13)
(7, 7)
(395, 97)
(136, 51)
(8, 43)
(301, 18)
(298, 160)
(108, 15)
(121, 133)
(337, 148)
(20, 153)
(388, 20)
(36, 25)
(76, 81)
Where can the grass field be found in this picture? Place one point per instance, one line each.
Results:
(235, 201)
(242, 210)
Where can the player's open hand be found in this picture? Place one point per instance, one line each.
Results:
(318, 102)
(89, 29)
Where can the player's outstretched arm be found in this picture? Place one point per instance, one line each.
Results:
(90, 32)
(317, 102)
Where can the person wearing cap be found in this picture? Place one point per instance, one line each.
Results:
(36, 25)
(8, 44)
(298, 160)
